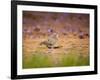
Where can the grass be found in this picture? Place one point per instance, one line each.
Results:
(74, 60)
(38, 60)
(41, 60)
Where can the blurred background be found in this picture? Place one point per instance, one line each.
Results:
(71, 48)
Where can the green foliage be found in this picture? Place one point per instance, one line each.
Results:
(37, 60)
(74, 60)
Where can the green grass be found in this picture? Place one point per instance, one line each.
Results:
(74, 60)
(40, 60)
(37, 60)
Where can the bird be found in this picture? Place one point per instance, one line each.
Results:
(51, 41)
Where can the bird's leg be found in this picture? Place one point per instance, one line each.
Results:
(50, 49)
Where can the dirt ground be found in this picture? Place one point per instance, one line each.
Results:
(67, 43)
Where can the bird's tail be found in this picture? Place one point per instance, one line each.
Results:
(43, 43)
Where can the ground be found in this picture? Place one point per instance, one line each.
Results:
(71, 46)
(73, 39)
